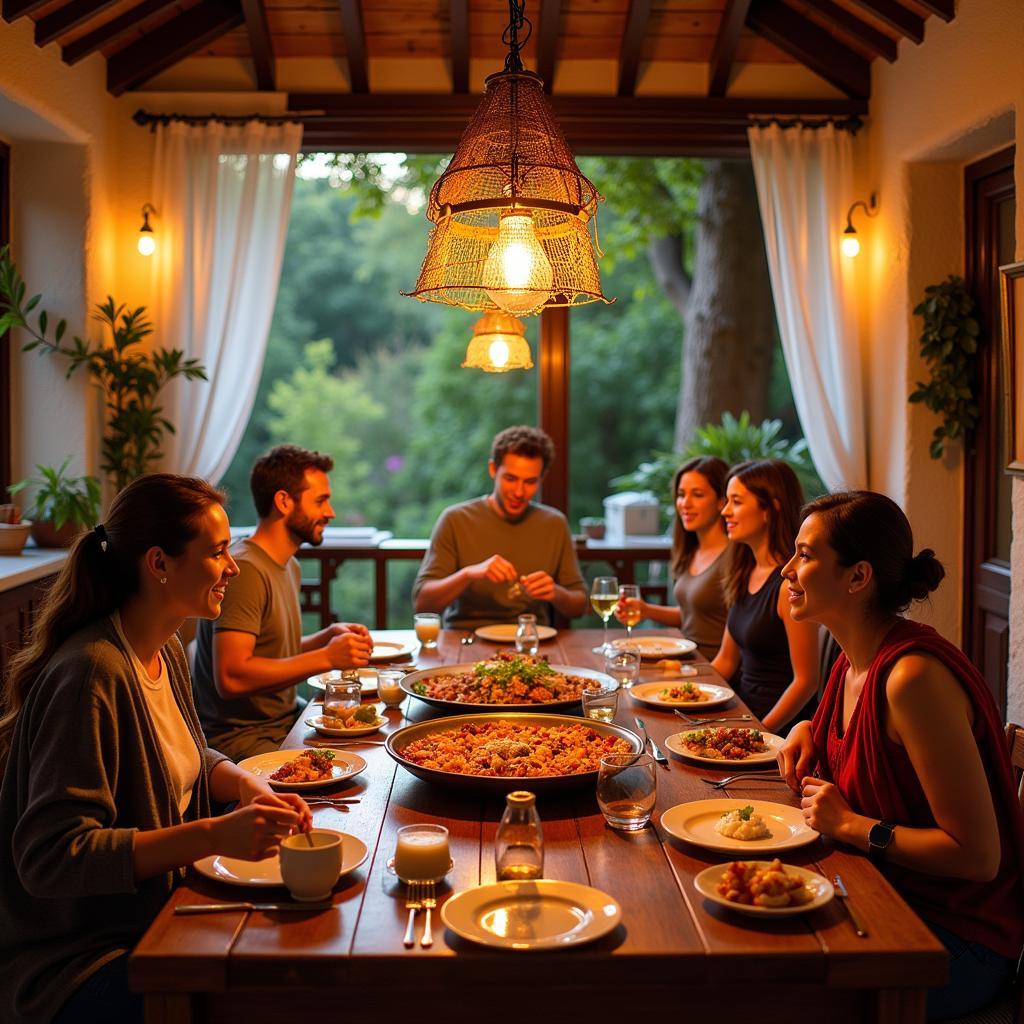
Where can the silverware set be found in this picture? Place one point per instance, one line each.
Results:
(689, 720)
(751, 776)
(419, 896)
(648, 742)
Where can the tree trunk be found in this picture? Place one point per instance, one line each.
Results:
(729, 319)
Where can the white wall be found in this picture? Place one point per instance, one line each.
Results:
(942, 105)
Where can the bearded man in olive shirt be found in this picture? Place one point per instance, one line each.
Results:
(249, 660)
(495, 557)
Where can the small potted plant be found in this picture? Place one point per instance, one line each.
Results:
(62, 506)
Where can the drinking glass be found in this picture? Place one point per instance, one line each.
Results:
(604, 597)
(627, 611)
(421, 853)
(627, 789)
(600, 702)
(346, 692)
(623, 667)
(428, 628)
(389, 689)
(527, 637)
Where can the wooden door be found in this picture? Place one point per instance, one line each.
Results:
(989, 205)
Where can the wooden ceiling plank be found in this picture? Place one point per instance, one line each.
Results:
(632, 45)
(61, 21)
(547, 41)
(355, 45)
(459, 29)
(896, 16)
(734, 17)
(14, 9)
(259, 44)
(811, 45)
(867, 35)
(179, 38)
(112, 31)
(945, 9)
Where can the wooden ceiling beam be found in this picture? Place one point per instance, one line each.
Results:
(112, 31)
(459, 29)
(61, 21)
(896, 16)
(734, 17)
(163, 48)
(632, 45)
(945, 9)
(867, 35)
(547, 41)
(355, 45)
(260, 44)
(14, 9)
(812, 46)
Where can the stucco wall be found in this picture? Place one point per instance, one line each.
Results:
(942, 105)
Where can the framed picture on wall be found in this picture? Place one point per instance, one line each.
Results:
(1011, 291)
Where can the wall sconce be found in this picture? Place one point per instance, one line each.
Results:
(147, 243)
(850, 244)
(498, 344)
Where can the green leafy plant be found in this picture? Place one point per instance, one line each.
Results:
(61, 499)
(131, 380)
(949, 345)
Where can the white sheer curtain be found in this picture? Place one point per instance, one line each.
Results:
(223, 196)
(805, 186)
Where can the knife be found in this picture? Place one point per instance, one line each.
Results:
(841, 892)
(655, 751)
(216, 908)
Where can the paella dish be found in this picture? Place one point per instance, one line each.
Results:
(685, 693)
(311, 766)
(725, 744)
(763, 886)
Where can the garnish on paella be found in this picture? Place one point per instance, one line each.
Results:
(310, 766)
(728, 744)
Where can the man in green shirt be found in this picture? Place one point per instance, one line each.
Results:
(249, 660)
(495, 557)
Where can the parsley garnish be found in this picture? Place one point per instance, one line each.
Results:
(502, 671)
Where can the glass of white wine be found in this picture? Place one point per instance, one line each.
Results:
(600, 702)
(628, 610)
(604, 596)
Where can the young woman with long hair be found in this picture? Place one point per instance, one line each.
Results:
(908, 744)
(699, 559)
(107, 780)
(776, 658)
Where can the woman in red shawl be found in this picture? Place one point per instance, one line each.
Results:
(908, 744)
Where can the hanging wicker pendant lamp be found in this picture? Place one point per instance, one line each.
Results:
(498, 344)
(512, 211)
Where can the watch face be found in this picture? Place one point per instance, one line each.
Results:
(880, 835)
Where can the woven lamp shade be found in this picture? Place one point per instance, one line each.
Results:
(512, 174)
(498, 344)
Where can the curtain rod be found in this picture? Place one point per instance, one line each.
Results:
(143, 117)
(845, 124)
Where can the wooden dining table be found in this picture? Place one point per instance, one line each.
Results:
(674, 951)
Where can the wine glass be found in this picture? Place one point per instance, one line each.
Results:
(604, 596)
(628, 611)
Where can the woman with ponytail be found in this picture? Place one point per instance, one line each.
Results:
(909, 749)
(107, 780)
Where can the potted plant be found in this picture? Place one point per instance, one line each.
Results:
(62, 506)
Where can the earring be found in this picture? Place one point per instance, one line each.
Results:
(163, 579)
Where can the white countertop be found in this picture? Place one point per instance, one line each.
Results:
(32, 564)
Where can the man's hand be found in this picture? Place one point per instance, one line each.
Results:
(539, 585)
(349, 650)
(496, 569)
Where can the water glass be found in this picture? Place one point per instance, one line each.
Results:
(346, 692)
(627, 789)
(428, 628)
(600, 702)
(527, 637)
(623, 667)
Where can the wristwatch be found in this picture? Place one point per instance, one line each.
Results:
(879, 838)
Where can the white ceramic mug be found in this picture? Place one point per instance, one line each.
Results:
(311, 871)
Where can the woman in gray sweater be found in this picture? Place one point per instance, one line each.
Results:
(107, 779)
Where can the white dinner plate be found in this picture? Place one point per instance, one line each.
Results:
(695, 822)
(675, 744)
(317, 722)
(367, 679)
(345, 765)
(391, 650)
(505, 632)
(706, 881)
(656, 646)
(542, 914)
(263, 873)
(650, 693)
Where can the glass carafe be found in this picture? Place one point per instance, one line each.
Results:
(527, 637)
(519, 843)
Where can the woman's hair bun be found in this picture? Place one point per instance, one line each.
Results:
(924, 574)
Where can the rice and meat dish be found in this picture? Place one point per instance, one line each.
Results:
(514, 750)
(742, 823)
(725, 744)
(687, 693)
(310, 766)
(759, 886)
(508, 678)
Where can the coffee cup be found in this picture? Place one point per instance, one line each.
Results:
(310, 871)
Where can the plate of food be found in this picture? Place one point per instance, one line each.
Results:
(367, 679)
(538, 914)
(303, 769)
(391, 650)
(505, 632)
(262, 873)
(357, 721)
(764, 888)
(518, 682)
(655, 646)
(726, 746)
(503, 751)
(738, 826)
(683, 694)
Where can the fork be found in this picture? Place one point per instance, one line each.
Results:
(429, 901)
(413, 903)
(468, 639)
(703, 721)
(720, 783)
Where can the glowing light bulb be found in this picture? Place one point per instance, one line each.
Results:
(147, 244)
(850, 245)
(517, 274)
(498, 352)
